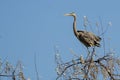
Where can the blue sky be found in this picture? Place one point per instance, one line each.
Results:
(36, 26)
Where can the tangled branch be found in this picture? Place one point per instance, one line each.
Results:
(89, 69)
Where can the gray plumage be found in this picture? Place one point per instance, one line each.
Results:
(87, 38)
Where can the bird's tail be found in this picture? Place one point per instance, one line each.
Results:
(97, 44)
(99, 38)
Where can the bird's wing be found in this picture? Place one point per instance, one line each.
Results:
(86, 34)
(88, 38)
(93, 36)
(85, 38)
(96, 38)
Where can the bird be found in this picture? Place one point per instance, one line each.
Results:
(89, 39)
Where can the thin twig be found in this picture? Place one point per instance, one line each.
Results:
(66, 69)
(36, 70)
(102, 35)
(108, 71)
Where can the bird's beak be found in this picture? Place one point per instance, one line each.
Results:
(66, 14)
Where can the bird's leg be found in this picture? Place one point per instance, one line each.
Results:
(94, 51)
(90, 60)
(88, 53)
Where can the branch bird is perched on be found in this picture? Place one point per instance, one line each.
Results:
(87, 38)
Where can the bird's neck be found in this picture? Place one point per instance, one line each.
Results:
(74, 26)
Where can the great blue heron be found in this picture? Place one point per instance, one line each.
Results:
(87, 38)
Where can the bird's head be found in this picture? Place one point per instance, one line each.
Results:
(70, 14)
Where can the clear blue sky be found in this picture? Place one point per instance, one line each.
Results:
(36, 26)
